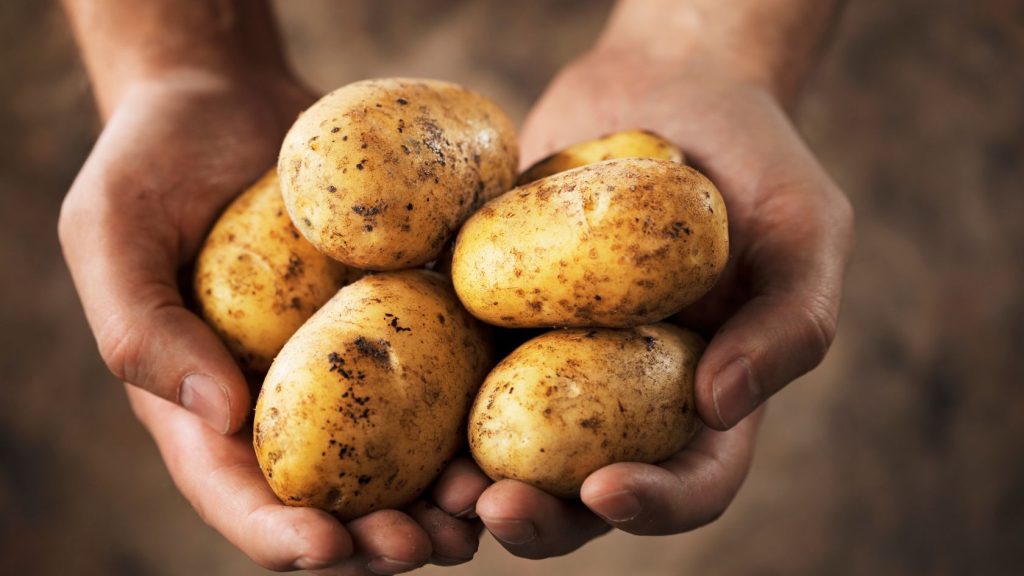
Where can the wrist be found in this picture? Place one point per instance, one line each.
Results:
(112, 84)
(648, 73)
(699, 59)
(276, 86)
(768, 43)
(126, 43)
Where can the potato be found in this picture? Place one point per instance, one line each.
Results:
(367, 402)
(380, 174)
(624, 144)
(613, 244)
(257, 280)
(571, 401)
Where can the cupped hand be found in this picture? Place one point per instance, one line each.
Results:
(221, 478)
(770, 318)
(175, 151)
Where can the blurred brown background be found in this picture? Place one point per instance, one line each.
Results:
(902, 454)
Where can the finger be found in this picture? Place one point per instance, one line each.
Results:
(797, 263)
(531, 523)
(453, 541)
(386, 542)
(124, 265)
(219, 475)
(459, 487)
(691, 489)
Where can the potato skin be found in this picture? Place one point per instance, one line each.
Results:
(572, 401)
(623, 144)
(618, 243)
(257, 280)
(379, 174)
(367, 402)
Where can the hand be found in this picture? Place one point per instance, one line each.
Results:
(773, 312)
(220, 476)
(176, 150)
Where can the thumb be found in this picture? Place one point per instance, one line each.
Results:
(123, 258)
(788, 325)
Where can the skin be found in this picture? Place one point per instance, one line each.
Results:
(214, 81)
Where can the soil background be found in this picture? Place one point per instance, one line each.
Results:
(901, 454)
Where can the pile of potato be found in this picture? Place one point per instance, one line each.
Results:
(335, 276)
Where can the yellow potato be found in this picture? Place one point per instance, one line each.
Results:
(624, 144)
(257, 280)
(617, 243)
(367, 402)
(572, 401)
(380, 174)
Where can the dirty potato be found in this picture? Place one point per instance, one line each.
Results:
(571, 401)
(379, 174)
(367, 402)
(617, 243)
(257, 280)
(624, 144)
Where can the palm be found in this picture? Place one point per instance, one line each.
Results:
(189, 151)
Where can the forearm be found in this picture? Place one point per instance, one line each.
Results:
(771, 42)
(125, 41)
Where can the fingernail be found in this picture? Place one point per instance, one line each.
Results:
(467, 514)
(617, 506)
(202, 396)
(734, 392)
(305, 563)
(385, 565)
(513, 532)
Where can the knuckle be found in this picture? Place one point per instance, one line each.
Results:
(818, 325)
(551, 546)
(255, 522)
(120, 345)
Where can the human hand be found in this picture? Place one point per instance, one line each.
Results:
(772, 314)
(221, 478)
(177, 148)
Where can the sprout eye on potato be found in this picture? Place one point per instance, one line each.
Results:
(257, 280)
(380, 174)
(367, 402)
(617, 243)
(572, 401)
